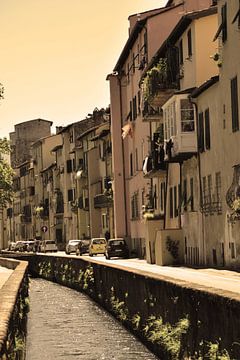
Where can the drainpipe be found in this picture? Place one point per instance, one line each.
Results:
(200, 181)
(180, 202)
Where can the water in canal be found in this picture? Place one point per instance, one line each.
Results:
(65, 324)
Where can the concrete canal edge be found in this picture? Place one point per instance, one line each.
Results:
(13, 310)
(175, 320)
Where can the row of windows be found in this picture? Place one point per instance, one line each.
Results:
(138, 60)
(180, 197)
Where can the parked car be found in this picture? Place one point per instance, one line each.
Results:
(72, 246)
(83, 247)
(12, 246)
(31, 245)
(21, 246)
(117, 247)
(48, 245)
(97, 246)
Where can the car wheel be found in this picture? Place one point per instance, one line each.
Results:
(90, 254)
(107, 256)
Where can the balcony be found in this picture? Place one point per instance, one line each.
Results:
(103, 201)
(180, 135)
(158, 86)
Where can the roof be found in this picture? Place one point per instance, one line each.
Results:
(87, 132)
(178, 30)
(48, 167)
(133, 36)
(28, 121)
(57, 148)
(101, 134)
(206, 85)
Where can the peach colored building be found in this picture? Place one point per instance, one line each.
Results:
(148, 31)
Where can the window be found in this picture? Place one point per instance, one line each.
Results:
(131, 165)
(69, 166)
(234, 104)
(139, 102)
(71, 137)
(134, 103)
(187, 115)
(133, 62)
(209, 180)
(207, 130)
(162, 196)
(218, 184)
(136, 157)
(171, 202)
(181, 52)
(175, 202)
(70, 194)
(232, 249)
(200, 133)
(223, 26)
(224, 22)
(189, 39)
(185, 194)
(191, 195)
(134, 206)
(130, 111)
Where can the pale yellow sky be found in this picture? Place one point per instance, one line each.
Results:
(56, 54)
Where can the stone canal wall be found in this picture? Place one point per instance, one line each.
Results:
(174, 320)
(13, 310)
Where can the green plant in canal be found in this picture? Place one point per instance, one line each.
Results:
(136, 321)
(118, 307)
(213, 352)
(168, 336)
(88, 277)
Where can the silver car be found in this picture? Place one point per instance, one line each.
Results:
(72, 246)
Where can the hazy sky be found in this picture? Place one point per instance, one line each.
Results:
(55, 56)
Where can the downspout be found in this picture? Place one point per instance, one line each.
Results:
(200, 180)
(180, 198)
(123, 157)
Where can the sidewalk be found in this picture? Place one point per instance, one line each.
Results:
(4, 275)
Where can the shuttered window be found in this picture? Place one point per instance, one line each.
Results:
(234, 104)
(200, 133)
(69, 166)
(224, 22)
(189, 37)
(171, 203)
(207, 130)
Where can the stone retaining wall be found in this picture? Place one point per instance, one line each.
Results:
(174, 320)
(13, 310)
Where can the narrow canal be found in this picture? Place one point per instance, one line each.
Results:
(65, 324)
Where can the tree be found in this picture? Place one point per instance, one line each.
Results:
(6, 174)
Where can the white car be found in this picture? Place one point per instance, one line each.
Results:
(72, 246)
(48, 245)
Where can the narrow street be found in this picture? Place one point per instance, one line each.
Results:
(225, 282)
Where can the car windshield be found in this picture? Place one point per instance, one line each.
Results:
(117, 242)
(74, 242)
(50, 242)
(99, 241)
